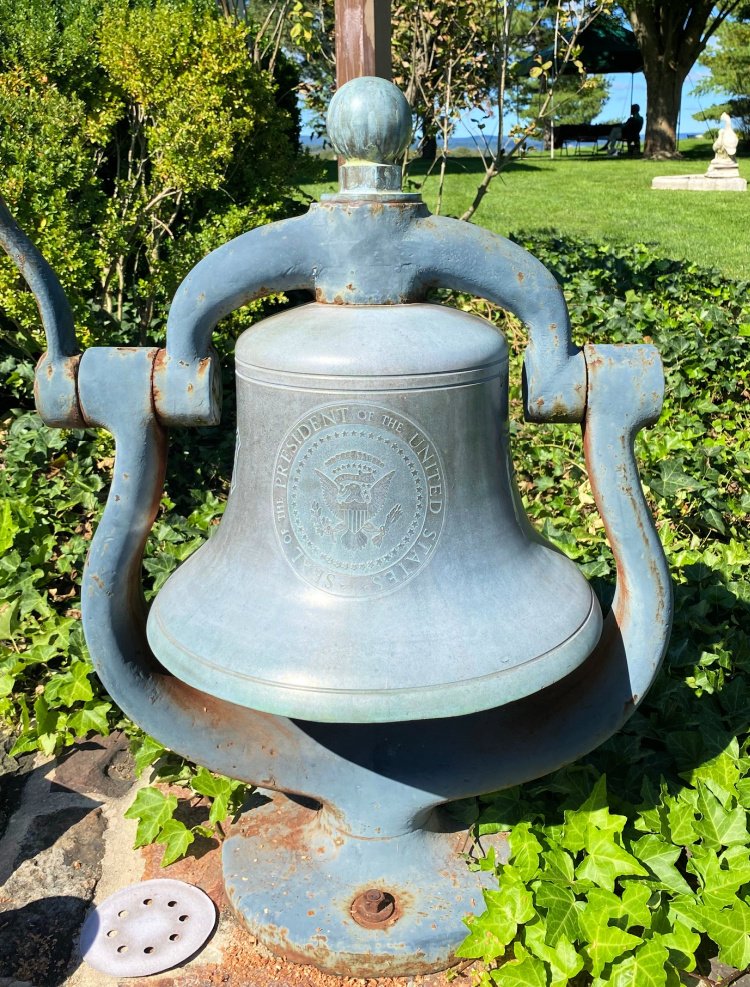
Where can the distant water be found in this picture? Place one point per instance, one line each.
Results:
(469, 143)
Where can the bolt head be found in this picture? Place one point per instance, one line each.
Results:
(373, 908)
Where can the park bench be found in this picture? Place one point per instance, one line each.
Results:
(566, 134)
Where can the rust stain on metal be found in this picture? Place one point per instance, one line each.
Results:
(321, 956)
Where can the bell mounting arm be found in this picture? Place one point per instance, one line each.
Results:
(266, 260)
(56, 386)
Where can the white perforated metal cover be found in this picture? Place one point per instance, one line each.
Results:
(147, 928)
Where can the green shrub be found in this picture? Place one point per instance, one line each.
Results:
(134, 138)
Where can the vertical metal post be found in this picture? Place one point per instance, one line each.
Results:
(363, 39)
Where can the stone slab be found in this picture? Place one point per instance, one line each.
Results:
(699, 183)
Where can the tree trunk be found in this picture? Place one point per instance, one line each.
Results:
(671, 35)
(428, 146)
(664, 93)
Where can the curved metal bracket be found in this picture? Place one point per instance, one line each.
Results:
(368, 253)
(55, 390)
(467, 258)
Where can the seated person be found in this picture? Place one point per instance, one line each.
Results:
(629, 131)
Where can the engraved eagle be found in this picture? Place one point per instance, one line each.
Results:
(356, 495)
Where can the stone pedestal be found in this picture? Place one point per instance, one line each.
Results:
(723, 175)
(701, 183)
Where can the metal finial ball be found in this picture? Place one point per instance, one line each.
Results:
(369, 120)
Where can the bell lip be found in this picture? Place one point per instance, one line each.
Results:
(437, 701)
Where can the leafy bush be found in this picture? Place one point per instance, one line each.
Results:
(135, 137)
(626, 867)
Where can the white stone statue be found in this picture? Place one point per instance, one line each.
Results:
(725, 144)
(723, 173)
(724, 164)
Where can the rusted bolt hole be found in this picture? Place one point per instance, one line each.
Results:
(374, 909)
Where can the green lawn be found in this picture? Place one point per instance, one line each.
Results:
(607, 200)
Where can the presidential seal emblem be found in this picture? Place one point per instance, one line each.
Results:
(358, 499)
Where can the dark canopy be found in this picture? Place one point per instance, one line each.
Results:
(606, 46)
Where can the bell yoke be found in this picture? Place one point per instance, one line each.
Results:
(375, 629)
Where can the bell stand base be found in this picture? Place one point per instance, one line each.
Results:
(292, 881)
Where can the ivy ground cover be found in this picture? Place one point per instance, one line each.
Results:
(631, 867)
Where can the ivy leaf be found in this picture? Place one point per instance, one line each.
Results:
(635, 899)
(72, 686)
(689, 910)
(592, 820)
(507, 908)
(659, 857)
(606, 861)
(47, 721)
(8, 619)
(561, 912)
(645, 968)
(721, 773)
(562, 958)
(8, 528)
(223, 791)
(682, 944)
(205, 783)
(730, 930)
(176, 837)
(152, 808)
(92, 718)
(146, 751)
(7, 681)
(558, 866)
(525, 849)
(673, 480)
(524, 971)
(26, 741)
(681, 815)
(719, 826)
(603, 942)
(721, 876)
